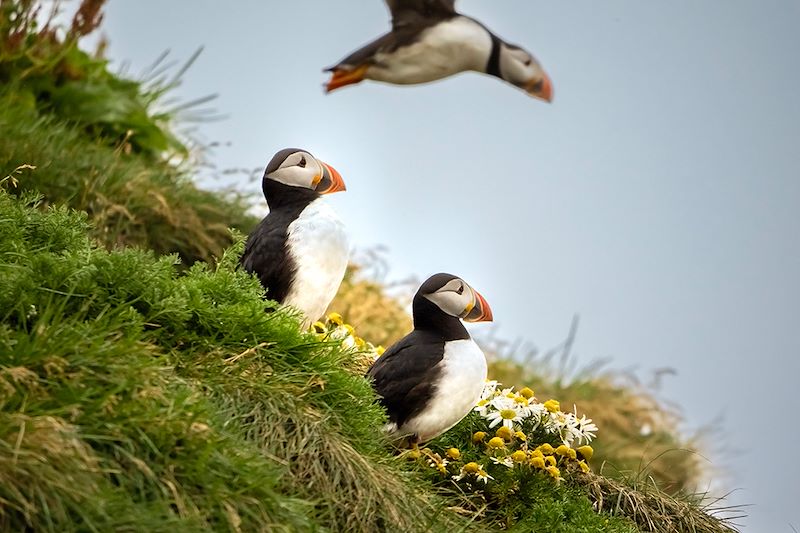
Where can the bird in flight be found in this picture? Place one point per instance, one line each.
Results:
(430, 40)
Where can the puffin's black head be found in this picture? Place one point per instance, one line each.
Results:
(293, 172)
(518, 67)
(445, 298)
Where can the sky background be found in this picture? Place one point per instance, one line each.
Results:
(657, 197)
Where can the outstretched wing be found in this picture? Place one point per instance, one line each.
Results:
(418, 12)
(405, 375)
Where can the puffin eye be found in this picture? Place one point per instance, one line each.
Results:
(460, 290)
(528, 62)
(302, 163)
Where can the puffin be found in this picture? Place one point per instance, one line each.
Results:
(299, 251)
(433, 377)
(429, 41)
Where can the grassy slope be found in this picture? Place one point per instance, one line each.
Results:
(133, 396)
(132, 200)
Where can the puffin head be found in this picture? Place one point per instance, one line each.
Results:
(518, 67)
(298, 168)
(454, 297)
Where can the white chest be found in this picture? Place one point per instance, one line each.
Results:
(459, 389)
(319, 246)
(443, 50)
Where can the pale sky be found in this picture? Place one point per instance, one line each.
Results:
(657, 197)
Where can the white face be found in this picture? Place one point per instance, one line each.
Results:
(455, 298)
(299, 169)
(519, 67)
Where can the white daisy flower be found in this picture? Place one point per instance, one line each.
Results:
(475, 469)
(505, 461)
(507, 412)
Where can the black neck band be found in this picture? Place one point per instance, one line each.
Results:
(493, 67)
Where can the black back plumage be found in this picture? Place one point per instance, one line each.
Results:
(266, 253)
(420, 12)
(409, 19)
(406, 375)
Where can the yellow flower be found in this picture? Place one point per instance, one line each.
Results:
(318, 326)
(350, 329)
(360, 342)
(504, 433)
(520, 435)
(454, 453)
(526, 393)
(496, 443)
(519, 456)
(552, 405)
(336, 318)
(478, 436)
(472, 468)
(572, 454)
(545, 449)
(586, 452)
(379, 350)
(537, 453)
(414, 454)
(537, 462)
(562, 450)
(553, 471)
(550, 460)
(583, 466)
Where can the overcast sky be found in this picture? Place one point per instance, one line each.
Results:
(657, 197)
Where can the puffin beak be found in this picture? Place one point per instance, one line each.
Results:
(341, 77)
(480, 312)
(540, 88)
(330, 181)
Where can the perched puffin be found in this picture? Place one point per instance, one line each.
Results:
(300, 250)
(429, 41)
(431, 379)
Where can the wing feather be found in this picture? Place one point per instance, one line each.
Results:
(405, 376)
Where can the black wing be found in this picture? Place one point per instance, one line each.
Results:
(420, 12)
(266, 256)
(405, 376)
(409, 18)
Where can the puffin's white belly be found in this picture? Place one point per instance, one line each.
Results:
(459, 389)
(443, 50)
(319, 246)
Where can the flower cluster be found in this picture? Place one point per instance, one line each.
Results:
(515, 409)
(516, 436)
(335, 328)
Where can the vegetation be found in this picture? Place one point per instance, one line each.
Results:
(143, 387)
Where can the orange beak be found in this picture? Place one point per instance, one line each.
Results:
(331, 180)
(342, 77)
(481, 312)
(542, 88)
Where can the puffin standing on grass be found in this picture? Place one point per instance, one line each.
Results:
(299, 251)
(431, 379)
(429, 41)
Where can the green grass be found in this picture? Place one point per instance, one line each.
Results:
(145, 387)
(132, 200)
(136, 397)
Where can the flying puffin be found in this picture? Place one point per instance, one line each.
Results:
(431, 379)
(299, 251)
(429, 41)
